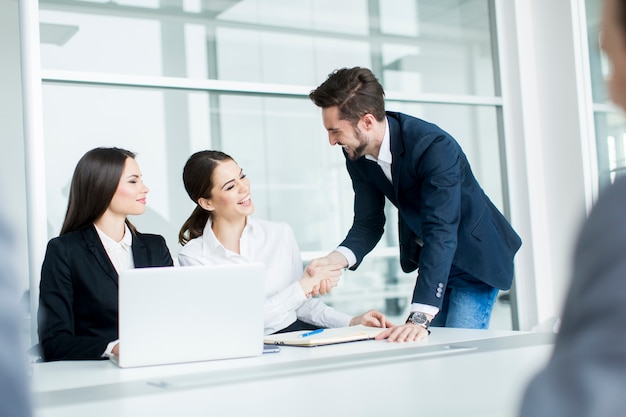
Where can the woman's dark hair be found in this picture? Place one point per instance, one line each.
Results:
(198, 180)
(94, 183)
(355, 91)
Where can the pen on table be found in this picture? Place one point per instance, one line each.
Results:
(312, 333)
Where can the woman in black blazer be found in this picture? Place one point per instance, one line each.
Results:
(78, 299)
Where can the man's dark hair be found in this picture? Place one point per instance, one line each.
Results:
(355, 91)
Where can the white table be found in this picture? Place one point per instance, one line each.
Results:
(456, 372)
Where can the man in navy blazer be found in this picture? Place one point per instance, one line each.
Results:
(448, 228)
(78, 301)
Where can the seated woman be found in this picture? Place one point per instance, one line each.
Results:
(78, 299)
(220, 231)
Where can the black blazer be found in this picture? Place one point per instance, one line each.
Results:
(78, 292)
(445, 218)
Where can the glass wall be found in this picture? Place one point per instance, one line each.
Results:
(434, 58)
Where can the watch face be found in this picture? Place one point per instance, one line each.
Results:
(420, 319)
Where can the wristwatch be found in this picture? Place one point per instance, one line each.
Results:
(419, 319)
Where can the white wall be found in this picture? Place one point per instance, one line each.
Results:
(546, 123)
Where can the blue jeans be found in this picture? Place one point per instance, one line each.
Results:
(467, 302)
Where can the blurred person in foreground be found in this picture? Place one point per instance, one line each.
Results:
(14, 390)
(586, 375)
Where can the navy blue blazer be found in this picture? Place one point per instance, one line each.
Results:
(78, 295)
(445, 218)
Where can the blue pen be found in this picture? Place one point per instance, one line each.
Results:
(312, 333)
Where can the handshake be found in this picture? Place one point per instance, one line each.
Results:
(323, 274)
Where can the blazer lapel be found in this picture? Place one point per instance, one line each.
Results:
(97, 249)
(140, 252)
(397, 152)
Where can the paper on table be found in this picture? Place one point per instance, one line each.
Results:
(327, 337)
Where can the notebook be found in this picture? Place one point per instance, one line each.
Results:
(325, 337)
(187, 314)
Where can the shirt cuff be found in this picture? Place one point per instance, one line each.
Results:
(109, 351)
(424, 308)
(348, 254)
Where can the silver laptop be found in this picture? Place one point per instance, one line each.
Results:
(188, 314)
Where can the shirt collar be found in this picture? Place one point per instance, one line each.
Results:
(384, 153)
(110, 244)
(209, 239)
(211, 244)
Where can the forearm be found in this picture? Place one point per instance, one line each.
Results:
(69, 347)
(315, 312)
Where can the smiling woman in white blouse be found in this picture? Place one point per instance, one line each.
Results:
(221, 231)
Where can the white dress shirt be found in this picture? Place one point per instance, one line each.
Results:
(384, 161)
(120, 253)
(273, 244)
(121, 256)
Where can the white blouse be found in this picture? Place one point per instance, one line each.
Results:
(273, 244)
(120, 253)
(121, 256)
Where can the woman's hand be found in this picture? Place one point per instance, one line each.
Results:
(371, 318)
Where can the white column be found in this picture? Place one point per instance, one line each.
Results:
(547, 123)
(33, 147)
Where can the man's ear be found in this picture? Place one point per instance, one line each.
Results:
(368, 120)
(205, 203)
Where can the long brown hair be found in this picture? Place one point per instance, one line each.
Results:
(94, 183)
(198, 180)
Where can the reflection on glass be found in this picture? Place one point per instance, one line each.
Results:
(598, 64)
(415, 46)
(611, 147)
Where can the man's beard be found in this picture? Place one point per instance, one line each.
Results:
(358, 152)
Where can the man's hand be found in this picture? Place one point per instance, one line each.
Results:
(325, 285)
(406, 333)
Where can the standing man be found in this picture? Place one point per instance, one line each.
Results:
(448, 228)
